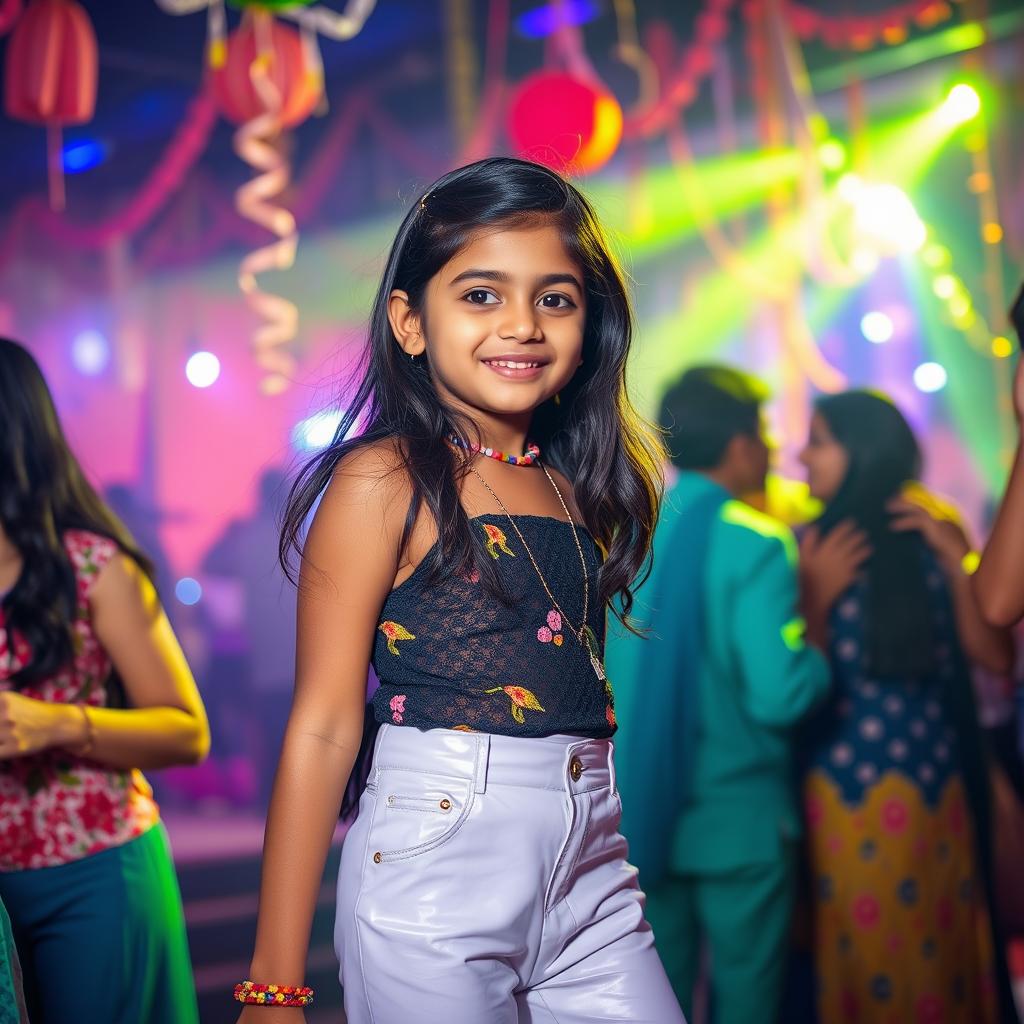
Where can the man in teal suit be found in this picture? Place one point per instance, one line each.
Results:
(706, 701)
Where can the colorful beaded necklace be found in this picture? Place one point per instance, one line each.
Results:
(531, 455)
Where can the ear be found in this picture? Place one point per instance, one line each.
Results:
(406, 324)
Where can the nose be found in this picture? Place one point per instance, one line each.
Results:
(520, 322)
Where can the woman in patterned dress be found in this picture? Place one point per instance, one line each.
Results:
(895, 787)
(93, 687)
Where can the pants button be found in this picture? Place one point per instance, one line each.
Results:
(575, 769)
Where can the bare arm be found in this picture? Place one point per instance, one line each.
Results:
(999, 581)
(349, 565)
(165, 723)
(989, 646)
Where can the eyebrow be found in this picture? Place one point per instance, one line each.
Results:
(500, 277)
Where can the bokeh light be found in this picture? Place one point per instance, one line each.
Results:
(930, 377)
(317, 431)
(90, 352)
(877, 327)
(188, 591)
(202, 369)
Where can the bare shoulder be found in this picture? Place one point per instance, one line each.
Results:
(370, 480)
(356, 532)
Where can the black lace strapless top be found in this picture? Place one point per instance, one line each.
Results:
(453, 657)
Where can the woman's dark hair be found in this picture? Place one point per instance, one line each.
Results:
(884, 456)
(705, 409)
(43, 493)
(593, 434)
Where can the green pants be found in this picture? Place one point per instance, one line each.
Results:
(102, 939)
(744, 917)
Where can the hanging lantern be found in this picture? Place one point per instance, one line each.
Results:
(51, 75)
(294, 71)
(559, 120)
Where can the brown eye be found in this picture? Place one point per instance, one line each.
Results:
(481, 297)
(556, 301)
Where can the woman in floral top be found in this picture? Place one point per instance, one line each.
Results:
(93, 688)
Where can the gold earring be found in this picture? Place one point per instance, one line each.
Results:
(558, 398)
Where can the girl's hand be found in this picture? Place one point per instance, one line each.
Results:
(942, 533)
(829, 564)
(28, 725)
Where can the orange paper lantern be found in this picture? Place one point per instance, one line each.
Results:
(288, 64)
(559, 120)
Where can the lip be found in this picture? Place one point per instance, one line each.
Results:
(512, 372)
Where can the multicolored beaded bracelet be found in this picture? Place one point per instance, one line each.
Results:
(528, 458)
(273, 995)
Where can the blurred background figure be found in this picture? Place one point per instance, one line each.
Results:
(252, 668)
(706, 698)
(93, 687)
(896, 789)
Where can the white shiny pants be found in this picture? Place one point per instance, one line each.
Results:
(485, 882)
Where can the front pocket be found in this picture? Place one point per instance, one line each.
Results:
(417, 812)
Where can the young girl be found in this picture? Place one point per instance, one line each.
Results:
(895, 788)
(458, 545)
(93, 687)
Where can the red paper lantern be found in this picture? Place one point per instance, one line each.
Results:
(296, 77)
(52, 65)
(563, 122)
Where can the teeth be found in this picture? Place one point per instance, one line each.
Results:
(511, 365)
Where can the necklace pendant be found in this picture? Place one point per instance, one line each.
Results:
(597, 666)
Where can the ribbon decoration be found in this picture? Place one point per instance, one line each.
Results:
(257, 143)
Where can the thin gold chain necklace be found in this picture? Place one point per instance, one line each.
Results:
(583, 634)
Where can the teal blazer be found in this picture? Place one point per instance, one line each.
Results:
(755, 680)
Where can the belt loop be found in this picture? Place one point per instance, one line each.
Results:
(483, 749)
(611, 766)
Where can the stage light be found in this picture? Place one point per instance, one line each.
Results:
(202, 369)
(317, 431)
(959, 306)
(90, 352)
(885, 216)
(944, 286)
(992, 233)
(877, 327)
(930, 377)
(82, 155)
(832, 154)
(961, 105)
(188, 591)
(1002, 347)
(545, 21)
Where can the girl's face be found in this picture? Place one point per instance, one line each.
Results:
(826, 460)
(502, 322)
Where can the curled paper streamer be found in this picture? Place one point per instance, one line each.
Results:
(256, 143)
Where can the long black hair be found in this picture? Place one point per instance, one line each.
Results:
(883, 456)
(592, 434)
(43, 493)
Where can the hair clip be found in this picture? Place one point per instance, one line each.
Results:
(423, 201)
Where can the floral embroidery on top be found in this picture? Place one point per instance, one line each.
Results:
(496, 541)
(394, 632)
(550, 633)
(398, 708)
(521, 698)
